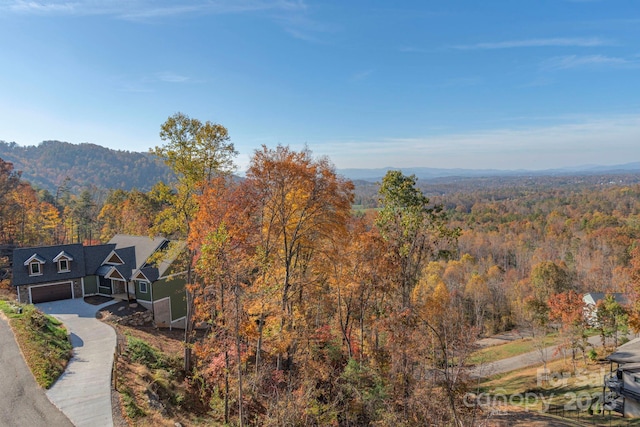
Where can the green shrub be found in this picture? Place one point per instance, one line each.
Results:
(177, 399)
(131, 408)
(141, 352)
(162, 379)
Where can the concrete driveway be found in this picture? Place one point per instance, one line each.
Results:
(83, 392)
(22, 401)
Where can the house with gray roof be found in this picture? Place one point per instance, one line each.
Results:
(127, 267)
(591, 301)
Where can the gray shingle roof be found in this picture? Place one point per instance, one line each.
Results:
(50, 268)
(128, 256)
(94, 256)
(103, 270)
(151, 273)
(34, 257)
(595, 297)
(134, 251)
(626, 353)
(144, 246)
(61, 255)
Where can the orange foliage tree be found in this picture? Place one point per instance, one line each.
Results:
(567, 308)
(265, 241)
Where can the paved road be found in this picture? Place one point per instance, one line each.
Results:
(83, 392)
(522, 361)
(22, 401)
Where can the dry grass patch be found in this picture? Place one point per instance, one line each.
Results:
(513, 416)
(7, 292)
(527, 395)
(152, 386)
(560, 380)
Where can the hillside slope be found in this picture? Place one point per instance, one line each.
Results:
(50, 163)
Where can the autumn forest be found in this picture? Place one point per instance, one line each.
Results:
(315, 301)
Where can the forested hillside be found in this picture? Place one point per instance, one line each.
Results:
(53, 164)
(334, 304)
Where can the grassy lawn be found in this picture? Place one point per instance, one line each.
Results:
(516, 348)
(576, 395)
(510, 349)
(43, 341)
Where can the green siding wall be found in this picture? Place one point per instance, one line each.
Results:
(104, 290)
(90, 285)
(175, 268)
(173, 288)
(141, 295)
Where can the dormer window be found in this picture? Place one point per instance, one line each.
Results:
(64, 262)
(34, 269)
(34, 263)
(63, 266)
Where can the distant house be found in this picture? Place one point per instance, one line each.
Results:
(591, 301)
(127, 267)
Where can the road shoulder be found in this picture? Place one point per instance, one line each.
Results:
(22, 401)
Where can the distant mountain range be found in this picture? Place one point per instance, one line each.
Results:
(434, 173)
(78, 166)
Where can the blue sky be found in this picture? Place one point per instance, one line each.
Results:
(503, 84)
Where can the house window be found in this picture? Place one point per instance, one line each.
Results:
(63, 266)
(636, 380)
(143, 287)
(34, 269)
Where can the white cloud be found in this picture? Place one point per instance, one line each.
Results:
(300, 34)
(169, 77)
(575, 61)
(290, 14)
(40, 7)
(132, 88)
(140, 9)
(412, 49)
(461, 82)
(153, 10)
(302, 27)
(543, 42)
(362, 75)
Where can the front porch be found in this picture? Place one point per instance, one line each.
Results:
(124, 296)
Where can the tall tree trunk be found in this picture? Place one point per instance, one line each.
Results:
(259, 344)
(226, 387)
(189, 326)
(361, 333)
(238, 357)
